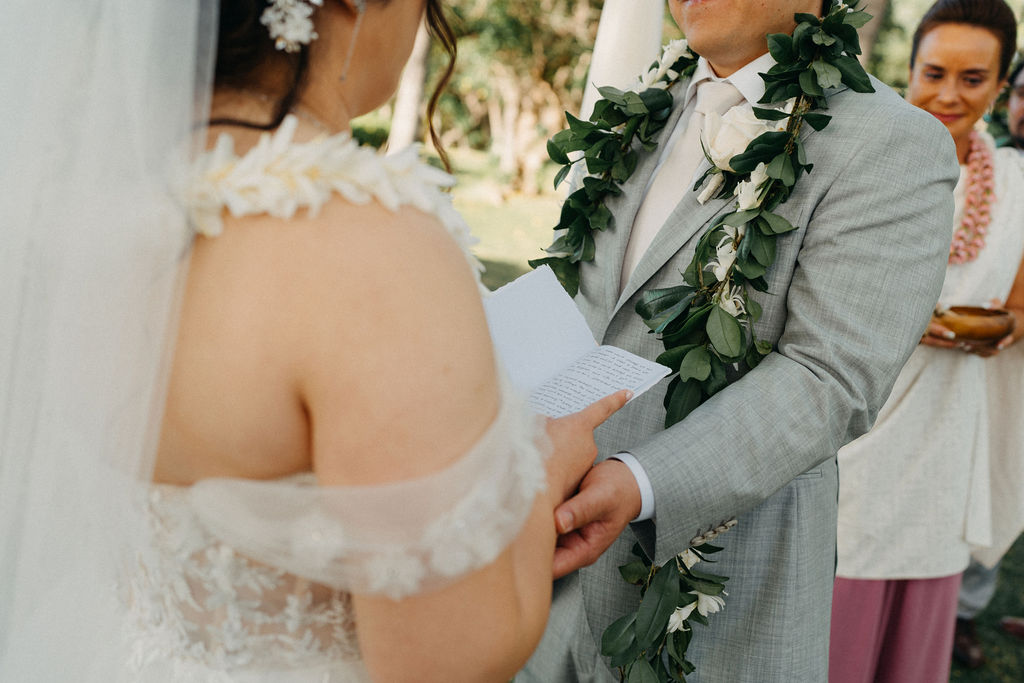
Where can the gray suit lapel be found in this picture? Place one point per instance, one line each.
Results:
(612, 251)
(686, 220)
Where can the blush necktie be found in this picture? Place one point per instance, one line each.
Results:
(674, 176)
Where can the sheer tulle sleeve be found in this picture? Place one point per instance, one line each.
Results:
(396, 539)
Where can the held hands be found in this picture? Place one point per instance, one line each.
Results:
(589, 522)
(607, 497)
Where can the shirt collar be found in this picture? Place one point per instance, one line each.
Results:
(747, 79)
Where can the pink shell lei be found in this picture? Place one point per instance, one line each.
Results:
(969, 238)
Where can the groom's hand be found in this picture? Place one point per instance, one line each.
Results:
(590, 521)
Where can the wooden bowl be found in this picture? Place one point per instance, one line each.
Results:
(976, 323)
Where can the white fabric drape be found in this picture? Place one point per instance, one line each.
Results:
(96, 129)
(628, 40)
(1004, 378)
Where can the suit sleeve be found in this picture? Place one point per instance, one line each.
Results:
(867, 276)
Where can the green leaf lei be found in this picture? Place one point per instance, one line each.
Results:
(706, 323)
(650, 644)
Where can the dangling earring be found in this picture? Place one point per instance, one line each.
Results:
(360, 11)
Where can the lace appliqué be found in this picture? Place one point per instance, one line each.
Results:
(279, 176)
(197, 607)
(244, 575)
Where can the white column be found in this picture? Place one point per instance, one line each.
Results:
(628, 40)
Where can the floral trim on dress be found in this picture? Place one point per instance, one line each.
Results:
(279, 176)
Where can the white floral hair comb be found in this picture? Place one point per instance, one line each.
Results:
(289, 23)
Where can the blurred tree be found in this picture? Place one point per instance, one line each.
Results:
(407, 117)
(890, 58)
(879, 9)
(522, 63)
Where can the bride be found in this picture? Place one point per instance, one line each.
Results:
(337, 485)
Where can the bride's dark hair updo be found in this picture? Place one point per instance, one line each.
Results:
(995, 16)
(244, 49)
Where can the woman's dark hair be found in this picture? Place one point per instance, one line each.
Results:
(244, 48)
(1015, 71)
(994, 16)
(441, 31)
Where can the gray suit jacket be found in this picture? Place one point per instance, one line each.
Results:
(850, 294)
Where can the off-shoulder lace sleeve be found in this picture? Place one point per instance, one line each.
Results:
(396, 539)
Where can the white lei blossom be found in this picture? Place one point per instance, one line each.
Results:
(656, 77)
(675, 49)
(689, 558)
(704, 605)
(677, 620)
(714, 182)
(748, 192)
(708, 604)
(725, 251)
(730, 298)
(726, 135)
(278, 177)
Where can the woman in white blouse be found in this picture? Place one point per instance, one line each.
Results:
(914, 491)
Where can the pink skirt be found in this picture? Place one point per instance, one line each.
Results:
(892, 631)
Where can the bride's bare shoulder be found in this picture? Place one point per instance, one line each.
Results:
(344, 241)
(415, 351)
(380, 316)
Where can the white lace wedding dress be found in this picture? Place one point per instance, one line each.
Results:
(249, 581)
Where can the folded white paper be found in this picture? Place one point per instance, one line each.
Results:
(549, 353)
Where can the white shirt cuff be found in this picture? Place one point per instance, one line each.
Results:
(642, 481)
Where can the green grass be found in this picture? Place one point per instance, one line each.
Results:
(512, 229)
(1004, 653)
(500, 272)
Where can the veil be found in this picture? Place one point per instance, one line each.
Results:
(97, 128)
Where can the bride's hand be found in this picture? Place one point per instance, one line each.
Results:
(572, 438)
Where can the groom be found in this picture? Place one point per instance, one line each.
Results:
(850, 293)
